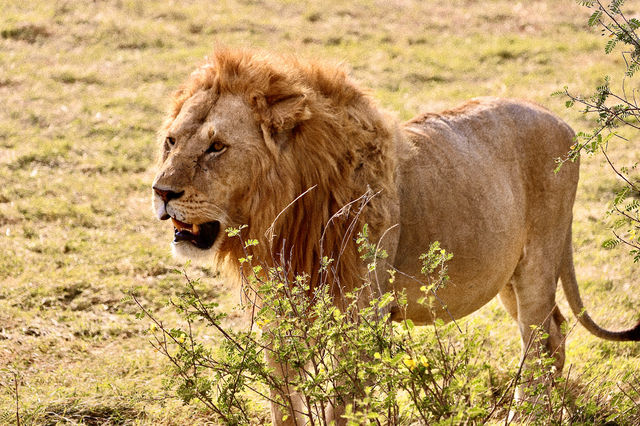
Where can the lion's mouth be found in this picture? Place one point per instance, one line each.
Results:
(202, 236)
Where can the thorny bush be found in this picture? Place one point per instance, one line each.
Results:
(385, 372)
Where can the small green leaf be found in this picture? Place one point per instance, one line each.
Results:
(595, 18)
(409, 324)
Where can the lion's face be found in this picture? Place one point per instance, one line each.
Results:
(204, 175)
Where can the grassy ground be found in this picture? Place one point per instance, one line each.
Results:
(83, 88)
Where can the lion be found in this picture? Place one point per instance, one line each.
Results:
(282, 145)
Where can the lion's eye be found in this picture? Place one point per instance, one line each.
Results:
(169, 141)
(216, 146)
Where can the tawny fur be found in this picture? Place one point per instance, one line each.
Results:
(303, 141)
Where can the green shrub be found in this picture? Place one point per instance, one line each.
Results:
(383, 372)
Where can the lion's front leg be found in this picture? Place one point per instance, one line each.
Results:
(287, 405)
(334, 415)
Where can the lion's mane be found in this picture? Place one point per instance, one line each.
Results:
(337, 142)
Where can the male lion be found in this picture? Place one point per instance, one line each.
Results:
(250, 132)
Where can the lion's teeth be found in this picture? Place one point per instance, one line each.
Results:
(196, 229)
(181, 226)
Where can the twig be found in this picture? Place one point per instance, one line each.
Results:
(205, 312)
(632, 36)
(380, 292)
(635, 188)
(514, 383)
(443, 305)
(564, 394)
(625, 241)
(269, 232)
(625, 214)
(16, 388)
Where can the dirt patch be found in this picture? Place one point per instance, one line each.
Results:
(6, 82)
(26, 32)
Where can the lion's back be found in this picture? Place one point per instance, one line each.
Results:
(495, 122)
(497, 133)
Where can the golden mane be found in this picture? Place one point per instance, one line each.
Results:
(337, 143)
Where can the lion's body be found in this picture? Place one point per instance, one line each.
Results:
(283, 147)
(480, 180)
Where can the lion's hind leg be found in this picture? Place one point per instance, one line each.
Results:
(509, 301)
(532, 290)
(556, 340)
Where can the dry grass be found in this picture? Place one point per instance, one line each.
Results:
(83, 88)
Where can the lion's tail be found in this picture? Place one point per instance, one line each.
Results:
(570, 287)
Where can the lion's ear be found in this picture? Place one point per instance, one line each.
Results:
(283, 113)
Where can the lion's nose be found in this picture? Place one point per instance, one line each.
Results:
(167, 194)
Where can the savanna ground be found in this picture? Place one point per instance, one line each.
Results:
(83, 87)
